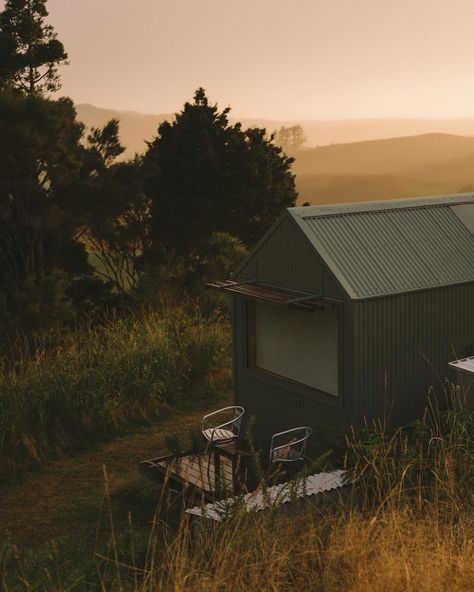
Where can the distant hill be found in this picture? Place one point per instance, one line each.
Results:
(135, 128)
(138, 127)
(325, 189)
(414, 155)
(398, 167)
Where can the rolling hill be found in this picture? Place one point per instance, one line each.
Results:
(408, 155)
(401, 166)
(391, 168)
(325, 189)
(138, 127)
(135, 128)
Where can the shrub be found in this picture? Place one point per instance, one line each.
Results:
(99, 380)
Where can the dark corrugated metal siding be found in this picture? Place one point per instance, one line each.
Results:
(278, 404)
(285, 260)
(421, 253)
(410, 338)
(406, 340)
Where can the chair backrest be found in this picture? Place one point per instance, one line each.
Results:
(290, 445)
(219, 420)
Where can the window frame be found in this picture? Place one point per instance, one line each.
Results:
(282, 382)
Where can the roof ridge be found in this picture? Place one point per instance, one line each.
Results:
(326, 210)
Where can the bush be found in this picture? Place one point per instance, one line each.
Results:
(416, 535)
(97, 381)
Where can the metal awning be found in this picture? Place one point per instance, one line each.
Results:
(464, 364)
(276, 296)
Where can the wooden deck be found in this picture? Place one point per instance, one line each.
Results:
(198, 472)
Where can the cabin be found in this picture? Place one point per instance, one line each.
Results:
(352, 312)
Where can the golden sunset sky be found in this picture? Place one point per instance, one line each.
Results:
(281, 59)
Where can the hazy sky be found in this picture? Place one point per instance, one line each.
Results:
(285, 59)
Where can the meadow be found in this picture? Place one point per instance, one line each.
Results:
(66, 389)
(392, 168)
(407, 524)
(79, 407)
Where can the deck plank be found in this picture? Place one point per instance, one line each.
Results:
(198, 470)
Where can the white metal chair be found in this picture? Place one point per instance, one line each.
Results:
(290, 445)
(216, 428)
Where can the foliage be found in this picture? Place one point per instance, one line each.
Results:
(210, 260)
(118, 233)
(40, 159)
(410, 539)
(203, 176)
(115, 210)
(57, 196)
(27, 309)
(291, 138)
(29, 49)
(104, 145)
(82, 386)
(43, 184)
(407, 466)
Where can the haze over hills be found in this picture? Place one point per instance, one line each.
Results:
(421, 155)
(135, 128)
(138, 127)
(352, 163)
(427, 164)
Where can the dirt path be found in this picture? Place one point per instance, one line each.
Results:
(46, 506)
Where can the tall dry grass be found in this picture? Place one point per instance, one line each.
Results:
(408, 525)
(93, 382)
(397, 551)
(390, 551)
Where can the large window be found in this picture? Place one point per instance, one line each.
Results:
(294, 344)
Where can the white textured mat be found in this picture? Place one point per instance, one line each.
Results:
(465, 364)
(273, 496)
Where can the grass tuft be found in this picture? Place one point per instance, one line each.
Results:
(96, 382)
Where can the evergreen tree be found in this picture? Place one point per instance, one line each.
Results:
(203, 175)
(29, 49)
(40, 160)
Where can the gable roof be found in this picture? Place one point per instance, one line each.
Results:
(388, 247)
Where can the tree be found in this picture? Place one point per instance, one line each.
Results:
(55, 192)
(203, 176)
(43, 266)
(118, 229)
(40, 159)
(29, 49)
(290, 138)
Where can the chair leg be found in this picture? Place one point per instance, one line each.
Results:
(217, 470)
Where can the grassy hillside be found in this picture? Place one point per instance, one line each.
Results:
(135, 128)
(398, 167)
(138, 127)
(318, 189)
(427, 164)
(406, 156)
(66, 389)
(407, 525)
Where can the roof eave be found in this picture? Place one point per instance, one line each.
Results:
(382, 205)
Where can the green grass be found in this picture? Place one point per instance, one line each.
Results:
(411, 528)
(411, 525)
(97, 382)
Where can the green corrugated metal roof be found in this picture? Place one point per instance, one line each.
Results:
(389, 247)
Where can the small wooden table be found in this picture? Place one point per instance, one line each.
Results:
(212, 473)
(237, 452)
